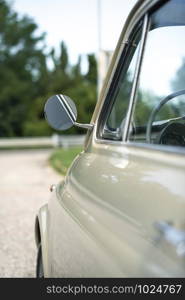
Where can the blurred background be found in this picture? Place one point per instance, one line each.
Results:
(49, 47)
(46, 47)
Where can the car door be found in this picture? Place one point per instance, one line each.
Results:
(89, 243)
(121, 208)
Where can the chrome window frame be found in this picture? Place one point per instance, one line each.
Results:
(132, 100)
(126, 55)
(140, 11)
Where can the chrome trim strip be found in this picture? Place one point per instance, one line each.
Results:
(68, 107)
(133, 94)
(65, 108)
(176, 150)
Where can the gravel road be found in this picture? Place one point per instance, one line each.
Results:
(25, 177)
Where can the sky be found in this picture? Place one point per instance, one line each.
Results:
(76, 22)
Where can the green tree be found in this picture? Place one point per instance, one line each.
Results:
(23, 65)
(84, 91)
(69, 80)
(178, 82)
(26, 82)
(91, 75)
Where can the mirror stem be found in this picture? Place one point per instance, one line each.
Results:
(86, 126)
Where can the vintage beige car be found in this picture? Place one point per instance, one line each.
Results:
(120, 211)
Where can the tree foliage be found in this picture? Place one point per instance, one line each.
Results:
(26, 81)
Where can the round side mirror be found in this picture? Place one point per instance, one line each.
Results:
(60, 112)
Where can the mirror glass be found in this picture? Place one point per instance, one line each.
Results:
(60, 112)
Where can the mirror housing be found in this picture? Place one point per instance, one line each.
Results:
(61, 113)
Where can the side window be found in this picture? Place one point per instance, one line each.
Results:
(122, 96)
(159, 116)
(120, 93)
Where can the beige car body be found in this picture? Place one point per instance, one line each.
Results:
(101, 219)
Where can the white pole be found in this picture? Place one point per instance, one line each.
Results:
(99, 45)
(99, 23)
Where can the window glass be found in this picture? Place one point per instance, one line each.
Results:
(160, 108)
(121, 94)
